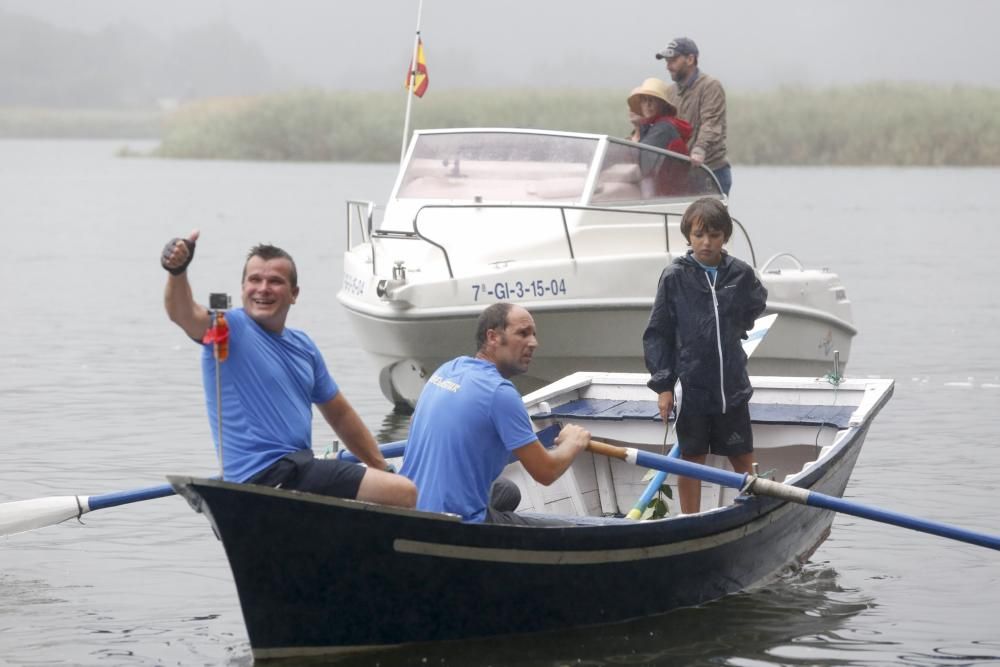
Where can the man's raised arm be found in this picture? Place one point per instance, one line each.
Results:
(178, 300)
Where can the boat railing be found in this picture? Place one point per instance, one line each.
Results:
(753, 255)
(561, 208)
(781, 255)
(359, 212)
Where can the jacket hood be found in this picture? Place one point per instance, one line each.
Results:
(688, 259)
(683, 127)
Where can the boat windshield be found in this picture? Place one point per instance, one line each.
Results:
(506, 166)
(498, 166)
(632, 172)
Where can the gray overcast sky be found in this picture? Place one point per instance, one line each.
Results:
(365, 44)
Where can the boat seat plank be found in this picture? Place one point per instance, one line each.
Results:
(604, 409)
(595, 408)
(838, 416)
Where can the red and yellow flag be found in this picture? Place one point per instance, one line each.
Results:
(419, 82)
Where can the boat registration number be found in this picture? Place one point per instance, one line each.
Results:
(353, 285)
(519, 289)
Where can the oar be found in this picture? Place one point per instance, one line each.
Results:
(23, 515)
(390, 450)
(750, 484)
(654, 485)
(760, 328)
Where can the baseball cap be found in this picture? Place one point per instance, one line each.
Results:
(682, 46)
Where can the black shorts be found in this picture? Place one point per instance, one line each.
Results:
(728, 434)
(302, 471)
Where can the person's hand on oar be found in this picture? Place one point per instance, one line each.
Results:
(178, 253)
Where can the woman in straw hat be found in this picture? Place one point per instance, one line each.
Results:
(656, 124)
(655, 119)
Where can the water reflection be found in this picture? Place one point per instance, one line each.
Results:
(797, 620)
(395, 426)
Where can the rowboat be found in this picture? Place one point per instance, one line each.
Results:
(318, 575)
(575, 227)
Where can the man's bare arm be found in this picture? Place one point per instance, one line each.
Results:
(347, 424)
(547, 465)
(178, 299)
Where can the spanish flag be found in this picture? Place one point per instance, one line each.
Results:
(420, 81)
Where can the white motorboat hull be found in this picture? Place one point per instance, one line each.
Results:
(582, 256)
(408, 342)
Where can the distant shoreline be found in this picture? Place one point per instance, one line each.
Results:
(46, 123)
(869, 125)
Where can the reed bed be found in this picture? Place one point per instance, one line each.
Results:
(873, 124)
(876, 124)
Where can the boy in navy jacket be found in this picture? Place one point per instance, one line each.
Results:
(705, 304)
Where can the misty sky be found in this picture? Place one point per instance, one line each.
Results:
(365, 44)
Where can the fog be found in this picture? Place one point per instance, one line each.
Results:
(572, 43)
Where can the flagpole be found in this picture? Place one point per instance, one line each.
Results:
(413, 83)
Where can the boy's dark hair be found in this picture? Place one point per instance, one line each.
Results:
(710, 213)
(494, 317)
(266, 251)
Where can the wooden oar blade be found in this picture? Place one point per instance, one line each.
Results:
(24, 515)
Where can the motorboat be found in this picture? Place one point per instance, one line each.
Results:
(317, 575)
(575, 227)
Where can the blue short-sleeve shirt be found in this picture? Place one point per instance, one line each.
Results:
(468, 420)
(269, 383)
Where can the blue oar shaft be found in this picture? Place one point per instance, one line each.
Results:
(903, 520)
(795, 494)
(654, 485)
(390, 450)
(687, 469)
(650, 490)
(125, 497)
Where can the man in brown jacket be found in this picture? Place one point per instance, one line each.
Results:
(701, 101)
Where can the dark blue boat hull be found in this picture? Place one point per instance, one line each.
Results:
(321, 575)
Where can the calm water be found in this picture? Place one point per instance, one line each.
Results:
(99, 393)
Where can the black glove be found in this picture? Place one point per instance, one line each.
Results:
(169, 250)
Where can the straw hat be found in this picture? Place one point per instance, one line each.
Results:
(654, 88)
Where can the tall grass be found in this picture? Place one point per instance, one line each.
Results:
(877, 124)
(368, 127)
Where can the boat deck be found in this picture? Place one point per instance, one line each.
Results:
(838, 416)
(788, 438)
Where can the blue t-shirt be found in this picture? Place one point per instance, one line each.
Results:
(468, 420)
(712, 271)
(269, 383)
